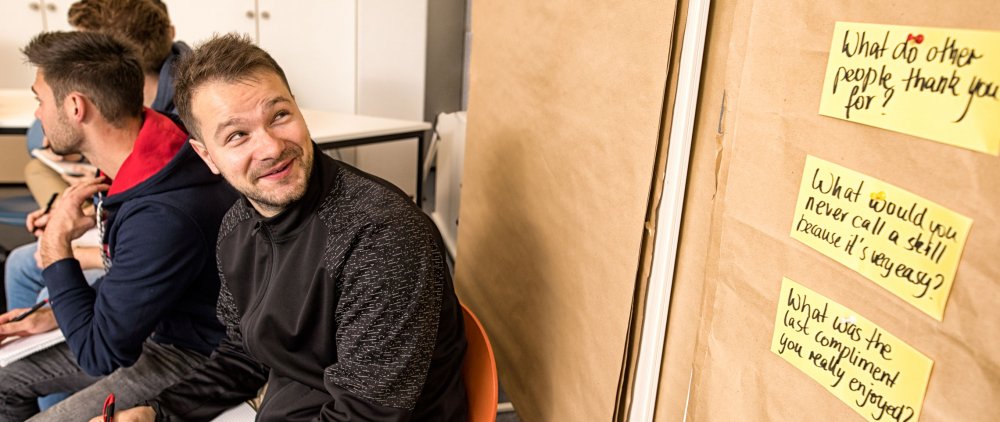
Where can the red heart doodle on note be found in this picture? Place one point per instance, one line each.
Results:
(919, 38)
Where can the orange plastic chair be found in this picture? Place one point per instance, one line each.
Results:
(479, 371)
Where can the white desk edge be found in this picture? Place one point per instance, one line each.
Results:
(326, 126)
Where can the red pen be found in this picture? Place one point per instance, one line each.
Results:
(109, 408)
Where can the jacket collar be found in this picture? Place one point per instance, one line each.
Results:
(158, 142)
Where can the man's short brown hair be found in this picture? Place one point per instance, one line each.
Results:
(228, 58)
(100, 66)
(142, 22)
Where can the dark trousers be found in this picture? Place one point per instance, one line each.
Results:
(55, 369)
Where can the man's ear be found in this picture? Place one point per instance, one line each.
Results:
(75, 107)
(199, 147)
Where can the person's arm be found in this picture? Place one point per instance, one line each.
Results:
(89, 257)
(156, 255)
(229, 377)
(387, 322)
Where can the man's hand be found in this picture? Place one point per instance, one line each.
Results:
(67, 221)
(89, 257)
(35, 223)
(40, 321)
(135, 414)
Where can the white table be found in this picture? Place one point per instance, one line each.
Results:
(333, 130)
(330, 130)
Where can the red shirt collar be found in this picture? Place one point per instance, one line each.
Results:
(158, 142)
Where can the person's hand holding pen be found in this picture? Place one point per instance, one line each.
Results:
(35, 223)
(67, 221)
(135, 414)
(31, 322)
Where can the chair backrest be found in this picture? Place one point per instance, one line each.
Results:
(479, 371)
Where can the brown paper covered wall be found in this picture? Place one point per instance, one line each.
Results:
(773, 74)
(564, 113)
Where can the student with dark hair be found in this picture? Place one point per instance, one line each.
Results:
(146, 25)
(335, 290)
(151, 319)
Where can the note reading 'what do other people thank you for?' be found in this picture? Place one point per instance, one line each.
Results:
(876, 374)
(907, 244)
(935, 83)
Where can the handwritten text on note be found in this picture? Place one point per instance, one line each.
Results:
(876, 374)
(905, 243)
(935, 83)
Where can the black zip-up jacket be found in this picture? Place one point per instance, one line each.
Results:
(342, 303)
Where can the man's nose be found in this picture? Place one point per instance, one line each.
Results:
(268, 146)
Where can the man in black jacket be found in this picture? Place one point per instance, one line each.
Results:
(335, 290)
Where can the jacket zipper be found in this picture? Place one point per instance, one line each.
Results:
(255, 308)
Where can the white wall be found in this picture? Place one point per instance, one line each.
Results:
(352, 56)
(20, 20)
(391, 61)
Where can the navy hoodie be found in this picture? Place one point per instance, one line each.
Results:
(162, 216)
(164, 101)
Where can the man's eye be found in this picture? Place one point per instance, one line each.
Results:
(235, 136)
(279, 115)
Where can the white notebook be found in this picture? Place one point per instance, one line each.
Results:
(21, 347)
(69, 168)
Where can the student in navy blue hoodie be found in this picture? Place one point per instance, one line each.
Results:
(151, 319)
(147, 25)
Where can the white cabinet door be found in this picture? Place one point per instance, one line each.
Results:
(314, 42)
(57, 15)
(22, 19)
(392, 51)
(197, 20)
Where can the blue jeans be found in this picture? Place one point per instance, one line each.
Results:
(25, 287)
(24, 279)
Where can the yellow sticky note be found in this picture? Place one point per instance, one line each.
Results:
(905, 243)
(876, 374)
(935, 83)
